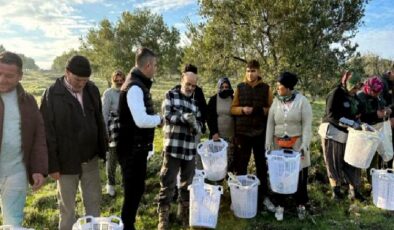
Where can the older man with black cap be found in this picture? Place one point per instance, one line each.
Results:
(76, 138)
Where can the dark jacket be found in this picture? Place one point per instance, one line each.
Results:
(339, 104)
(130, 135)
(388, 92)
(212, 115)
(198, 95)
(74, 135)
(35, 152)
(369, 107)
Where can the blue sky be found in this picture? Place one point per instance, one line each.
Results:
(44, 29)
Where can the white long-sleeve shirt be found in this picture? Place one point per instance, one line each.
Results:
(135, 102)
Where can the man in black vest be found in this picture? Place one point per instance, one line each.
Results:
(251, 103)
(137, 128)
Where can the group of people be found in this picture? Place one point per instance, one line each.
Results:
(74, 128)
(369, 102)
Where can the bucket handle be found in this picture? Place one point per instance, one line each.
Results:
(253, 177)
(199, 146)
(372, 171)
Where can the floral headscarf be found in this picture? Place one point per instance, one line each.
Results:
(373, 84)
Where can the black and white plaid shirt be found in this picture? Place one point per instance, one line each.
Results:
(179, 137)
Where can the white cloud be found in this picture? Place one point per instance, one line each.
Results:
(378, 41)
(42, 29)
(164, 5)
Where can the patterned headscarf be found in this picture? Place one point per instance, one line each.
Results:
(373, 84)
(350, 80)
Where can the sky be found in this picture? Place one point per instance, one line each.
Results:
(44, 29)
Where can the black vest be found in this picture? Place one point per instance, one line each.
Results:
(256, 97)
(130, 135)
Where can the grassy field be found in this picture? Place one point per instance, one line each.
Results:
(41, 211)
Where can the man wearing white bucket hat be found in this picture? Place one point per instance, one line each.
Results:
(183, 124)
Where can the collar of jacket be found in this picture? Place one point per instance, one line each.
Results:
(60, 88)
(20, 91)
(136, 73)
(253, 84)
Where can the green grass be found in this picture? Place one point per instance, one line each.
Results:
(41, 211)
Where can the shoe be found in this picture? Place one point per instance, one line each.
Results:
(111, 190)
(279, 213)
(336, 193)
(269, 205)
(355, 195)
(301, 211)
(164, 214)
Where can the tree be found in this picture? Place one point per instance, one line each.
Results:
(112, 47)
(28, 63)
(310, 38)
(59, 63)
(2, 49)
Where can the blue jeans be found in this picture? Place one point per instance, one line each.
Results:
(13, 190)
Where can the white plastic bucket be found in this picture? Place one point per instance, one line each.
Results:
(383, 188)
(361, 147)
(98, 223)
(214, 158)
(244, 195)
(10, 227)
(204, 204)
(283, 170)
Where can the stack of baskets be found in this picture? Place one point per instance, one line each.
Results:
(98, 223)
(383, 188)
(204, 202)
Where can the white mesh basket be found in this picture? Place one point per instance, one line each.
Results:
(98, 223)
(214, 158)
(244, 193)
(383, 188)
(204, 205)
(10, 227)
(361, 147)
(283, 170)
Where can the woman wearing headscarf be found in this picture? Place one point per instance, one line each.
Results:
(289, 125)
(341, 102)
(373, 111)
(219, 118)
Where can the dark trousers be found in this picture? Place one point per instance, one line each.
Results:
(168, 179)
(301, 195)
(242, 152)
(133, 167)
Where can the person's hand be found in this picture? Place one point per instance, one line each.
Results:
(388, 111)
(38, 181)
(247, 110)
(381, 113)
(161, 121)
(55, 175)
(189, 118)
(215, 137)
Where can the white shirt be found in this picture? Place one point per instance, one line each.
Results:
(135, 101)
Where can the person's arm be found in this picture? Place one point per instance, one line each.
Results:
(106, 101)
(236, 109)
(135, 102)
(269, 136)
(307, 116)
(270, 100)
(212, 116)
(39, 155)
(171, 114)
(50, 131)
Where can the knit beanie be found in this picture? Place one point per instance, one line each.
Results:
(288, 80)
(79, 65)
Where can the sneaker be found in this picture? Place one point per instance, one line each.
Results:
(269, 205)
(111, 190)
(301, 211)
(279, 213)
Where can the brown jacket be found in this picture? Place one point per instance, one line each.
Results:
(34, 145)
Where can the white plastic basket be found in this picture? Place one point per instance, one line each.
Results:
(244, 193)
(10, 227)
(98, 223)
(283, 170)
(214, 158)
(204, 204)
(361, 147)
(383, 188)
